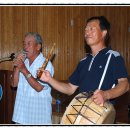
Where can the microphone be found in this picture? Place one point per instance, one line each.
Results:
(10, 58)
(22, 54)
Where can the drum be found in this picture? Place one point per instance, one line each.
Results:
(83, 111)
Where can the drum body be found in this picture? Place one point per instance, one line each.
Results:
(83, 111)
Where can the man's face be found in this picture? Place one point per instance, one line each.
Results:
(93, 34)
(30, 46)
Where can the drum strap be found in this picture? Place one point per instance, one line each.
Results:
(105, 70)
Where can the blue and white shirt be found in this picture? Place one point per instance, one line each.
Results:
(32, 107)
(89, 71)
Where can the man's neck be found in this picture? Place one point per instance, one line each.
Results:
(95, 49)
(31, 59)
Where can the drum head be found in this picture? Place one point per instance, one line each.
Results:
(83, 111)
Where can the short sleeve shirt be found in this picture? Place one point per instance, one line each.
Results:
(32, 107)
(89, 71)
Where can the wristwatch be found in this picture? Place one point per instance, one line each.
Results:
(28, 76)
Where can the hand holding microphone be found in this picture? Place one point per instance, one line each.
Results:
(18, 61)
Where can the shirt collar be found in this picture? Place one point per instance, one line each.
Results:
(36, 59)
(103, 51)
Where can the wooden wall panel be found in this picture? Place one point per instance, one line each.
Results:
(63, 25)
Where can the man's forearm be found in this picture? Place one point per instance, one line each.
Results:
(62, 87)
(15, 78)
(121, 88)
(32, 81)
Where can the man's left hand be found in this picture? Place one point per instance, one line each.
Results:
(99, 97)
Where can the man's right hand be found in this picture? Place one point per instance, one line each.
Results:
(46, 76)
(18, 58)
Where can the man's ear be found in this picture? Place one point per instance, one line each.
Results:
(104, 33)
(38, 47)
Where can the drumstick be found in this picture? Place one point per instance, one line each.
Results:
(45, 62)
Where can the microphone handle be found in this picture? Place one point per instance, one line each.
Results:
(5, 59)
